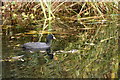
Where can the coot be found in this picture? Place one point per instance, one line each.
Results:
(37, 46)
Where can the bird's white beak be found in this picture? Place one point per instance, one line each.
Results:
(54, 37)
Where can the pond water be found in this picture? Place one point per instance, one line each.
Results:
(78, 53)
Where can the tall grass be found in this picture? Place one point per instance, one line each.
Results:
(48, 15)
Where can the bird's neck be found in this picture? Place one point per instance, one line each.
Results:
(48, 42)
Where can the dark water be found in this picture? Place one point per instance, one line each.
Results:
(31, 64)
(79, 53)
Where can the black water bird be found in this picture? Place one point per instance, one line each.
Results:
(40, 46)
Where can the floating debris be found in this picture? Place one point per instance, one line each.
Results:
(17, 57)
(92, 44)
(62, 51)
(10, 59)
